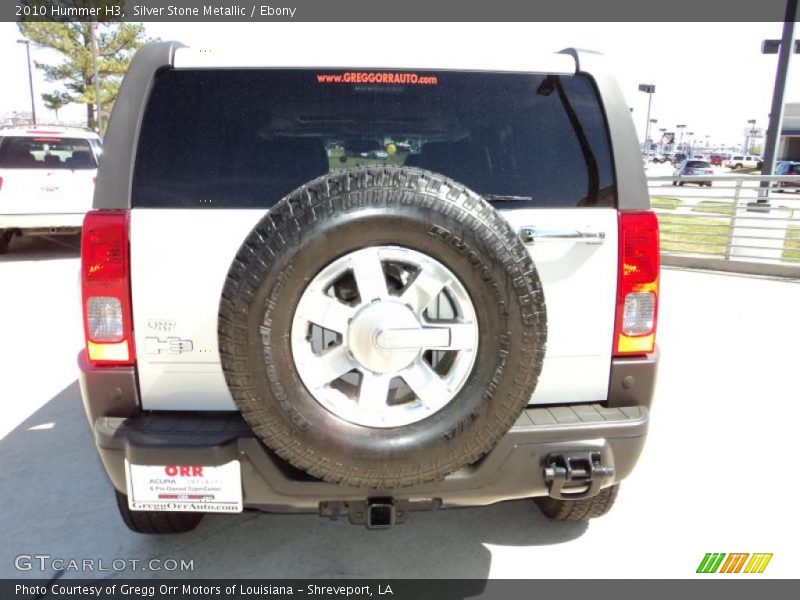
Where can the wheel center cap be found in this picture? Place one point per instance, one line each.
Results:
(368, 330)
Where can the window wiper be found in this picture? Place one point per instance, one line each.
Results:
(553, 82)
(502, 198)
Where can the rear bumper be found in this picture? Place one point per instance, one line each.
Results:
(513, 469)
(44, 221)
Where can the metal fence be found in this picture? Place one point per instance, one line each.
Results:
(745, 223)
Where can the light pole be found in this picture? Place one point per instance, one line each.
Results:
(649, 89)
(681, 127)
(662, 131)
(648, 141)
(95, 51)
(690, 143)
(30, 77)
(748, 136)
(784, 48)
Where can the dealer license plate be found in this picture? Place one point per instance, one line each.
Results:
(191, 488)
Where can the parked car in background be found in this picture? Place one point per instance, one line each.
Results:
(47, 177)
(678, 158)
(716, 159)
(787, 168)
(742, 161)
(691, 168)
(661, 158)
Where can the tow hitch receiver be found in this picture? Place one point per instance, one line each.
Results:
(380, 512)
(574, 475)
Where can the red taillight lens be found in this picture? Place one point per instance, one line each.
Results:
(637, 286)
(1, 183)
(105, 283)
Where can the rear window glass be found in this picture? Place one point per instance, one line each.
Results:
(698, 164)
(246, 138)
(18, 152)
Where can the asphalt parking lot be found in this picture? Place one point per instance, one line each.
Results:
(716, 474)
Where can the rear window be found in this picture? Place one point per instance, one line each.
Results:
(698, 164)
(18, 152)
(246, 138)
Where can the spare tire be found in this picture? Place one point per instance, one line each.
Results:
(382, 327)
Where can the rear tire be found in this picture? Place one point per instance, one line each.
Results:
(151, 521)
(578, 510)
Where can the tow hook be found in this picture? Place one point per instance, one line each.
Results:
(574, 475)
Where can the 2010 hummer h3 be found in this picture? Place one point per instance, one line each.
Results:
(366, 291)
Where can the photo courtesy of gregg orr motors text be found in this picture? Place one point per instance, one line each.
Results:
(186, 589)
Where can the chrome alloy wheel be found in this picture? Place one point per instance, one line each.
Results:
(384, 336)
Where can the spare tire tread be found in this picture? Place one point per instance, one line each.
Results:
(343, 191)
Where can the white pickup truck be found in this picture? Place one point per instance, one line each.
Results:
(277, 320)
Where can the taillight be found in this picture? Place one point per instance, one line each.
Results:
(106, 290)
(637, 285)
(1, 183)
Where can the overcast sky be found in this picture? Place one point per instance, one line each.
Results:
(711, 76)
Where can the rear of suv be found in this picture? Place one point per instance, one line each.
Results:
(692, 168)
(367, 291)
(47, 177)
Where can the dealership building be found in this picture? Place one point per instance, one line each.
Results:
(789, 144)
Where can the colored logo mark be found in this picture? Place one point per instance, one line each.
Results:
(739, 562)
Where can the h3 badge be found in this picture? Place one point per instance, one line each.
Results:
(169, 345)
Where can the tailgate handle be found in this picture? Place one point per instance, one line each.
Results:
(532, 235)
